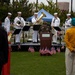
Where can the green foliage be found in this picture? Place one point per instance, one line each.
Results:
(4, 2)
(3, 11)
(27, 9)
(51, 8)
(24, 6)
(62, 16)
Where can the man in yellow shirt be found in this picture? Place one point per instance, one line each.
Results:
(70, 49)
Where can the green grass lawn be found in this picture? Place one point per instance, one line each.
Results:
(25, 63)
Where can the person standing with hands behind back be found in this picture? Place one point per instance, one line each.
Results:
(70, 49)
(7, 22)
(3, 47)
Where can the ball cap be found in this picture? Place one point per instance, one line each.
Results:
(68, 14)
(9, 13)
(73, 21)
(55, 13)
(19, 12)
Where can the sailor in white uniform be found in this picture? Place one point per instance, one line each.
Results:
(19, 23)
(35, 32)
(55, 23)
(68, 22)
(7, 22)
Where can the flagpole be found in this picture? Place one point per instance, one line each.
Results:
(36, 4)
(56, 3)
(71, 5)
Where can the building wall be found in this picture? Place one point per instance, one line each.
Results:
(63, 5)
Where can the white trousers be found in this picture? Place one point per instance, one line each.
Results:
(17, 37)
(8, 29)
(35, 36)
(55, 36)
(70, 62)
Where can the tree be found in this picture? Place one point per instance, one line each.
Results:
(24, 6)
(5, 1)
(52, 8)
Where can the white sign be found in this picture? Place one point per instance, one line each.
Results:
(45, 35)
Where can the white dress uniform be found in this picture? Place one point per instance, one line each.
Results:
(7, 24)
(67, 23)
(16, 26)
(55, 23)
(35, 33)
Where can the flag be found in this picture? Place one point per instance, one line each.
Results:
(53, 51)
(45, 51)
(42, 51)
(58, 50)
(62, 47)
(49, 52)
(31, 49)
(19, 46)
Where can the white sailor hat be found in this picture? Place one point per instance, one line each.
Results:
(19, 12)
(55, 13)
(9, 13)
(68, 14)
(35, 13)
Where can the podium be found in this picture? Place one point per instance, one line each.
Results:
(16, 31)
(45, 37)
(25, 28)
